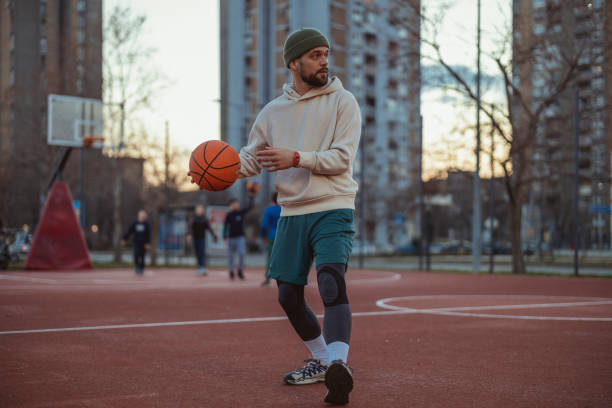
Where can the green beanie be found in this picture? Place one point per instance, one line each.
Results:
(300, 41)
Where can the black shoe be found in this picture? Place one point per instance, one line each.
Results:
(240, 275)
(232, 275)
(339, 382)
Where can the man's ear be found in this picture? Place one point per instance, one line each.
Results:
(293, 65)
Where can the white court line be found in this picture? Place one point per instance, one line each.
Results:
(458, 311)
(26, 279)
(177, 281)
(185, 323)
(392, 310)
(527, 306)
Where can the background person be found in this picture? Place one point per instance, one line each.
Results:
(233, 232)
(269, 222)
(141, 230)
(197, 235)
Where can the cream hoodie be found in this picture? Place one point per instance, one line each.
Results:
(324, 126)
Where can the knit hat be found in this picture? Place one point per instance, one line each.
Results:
(300, 41)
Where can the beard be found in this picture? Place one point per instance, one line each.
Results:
(315, 80)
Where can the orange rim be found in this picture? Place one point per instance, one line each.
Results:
(88, 141)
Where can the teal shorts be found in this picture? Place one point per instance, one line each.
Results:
(326, 236)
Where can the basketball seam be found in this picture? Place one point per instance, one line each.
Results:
(220, 179)
(225, 167)
(209, 183)
(198, 174)
(210, 165)
(214, 158)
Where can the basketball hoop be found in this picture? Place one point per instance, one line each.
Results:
(88, 141)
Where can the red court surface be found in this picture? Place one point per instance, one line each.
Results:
(108, 338)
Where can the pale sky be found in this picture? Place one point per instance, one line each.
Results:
(186, 36)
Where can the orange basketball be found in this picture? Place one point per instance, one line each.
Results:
(213, 165)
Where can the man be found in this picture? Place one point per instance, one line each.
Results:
(269, 221)
(310, 135)
(199, 226)
(141, 230)
(233, 232)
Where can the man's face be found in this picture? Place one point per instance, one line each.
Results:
(199, 210)
(142, 215)
(234, 206)
(312, 66)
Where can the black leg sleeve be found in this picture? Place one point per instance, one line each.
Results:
(303, 320)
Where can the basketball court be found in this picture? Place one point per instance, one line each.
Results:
(107, 338)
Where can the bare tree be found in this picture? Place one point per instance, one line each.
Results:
(518, 116)
(130, 82)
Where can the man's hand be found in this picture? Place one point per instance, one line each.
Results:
(122, 242)
(216, 239)
(147, 246)
(188, 239)
(275, 159)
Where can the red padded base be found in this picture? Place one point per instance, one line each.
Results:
(58, 241)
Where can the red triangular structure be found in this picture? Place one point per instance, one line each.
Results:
(58, 241)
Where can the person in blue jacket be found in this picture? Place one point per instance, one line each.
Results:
(268, 230)
(141, 230)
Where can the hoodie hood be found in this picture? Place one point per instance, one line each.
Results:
(333, 84)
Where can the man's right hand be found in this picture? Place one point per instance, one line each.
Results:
(122, 242)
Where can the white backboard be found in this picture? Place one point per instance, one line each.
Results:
(71, 118)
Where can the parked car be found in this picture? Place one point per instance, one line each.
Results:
(21, 244)
(452, 247)
(410, 249)
(499, 248)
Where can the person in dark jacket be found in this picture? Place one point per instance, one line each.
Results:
(141, 231)
(233, 232)
(199, 226)
(269, 222)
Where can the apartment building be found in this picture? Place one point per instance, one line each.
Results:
(375, 51)
(555, 28)
(46, 46)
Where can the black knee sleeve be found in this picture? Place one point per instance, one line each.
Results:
(332, 286)
(290, 297)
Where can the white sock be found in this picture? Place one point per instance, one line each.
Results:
(318, 348)
(338, 350)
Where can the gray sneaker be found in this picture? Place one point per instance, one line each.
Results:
(339, 382)
(313, 372)
(202, 271)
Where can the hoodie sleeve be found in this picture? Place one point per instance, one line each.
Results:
(249, 166)
(339, 157)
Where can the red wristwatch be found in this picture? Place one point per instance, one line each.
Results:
(296, 159)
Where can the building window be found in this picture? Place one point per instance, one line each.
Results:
(538, 28)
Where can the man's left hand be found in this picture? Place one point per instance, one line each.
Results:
(275, 159)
